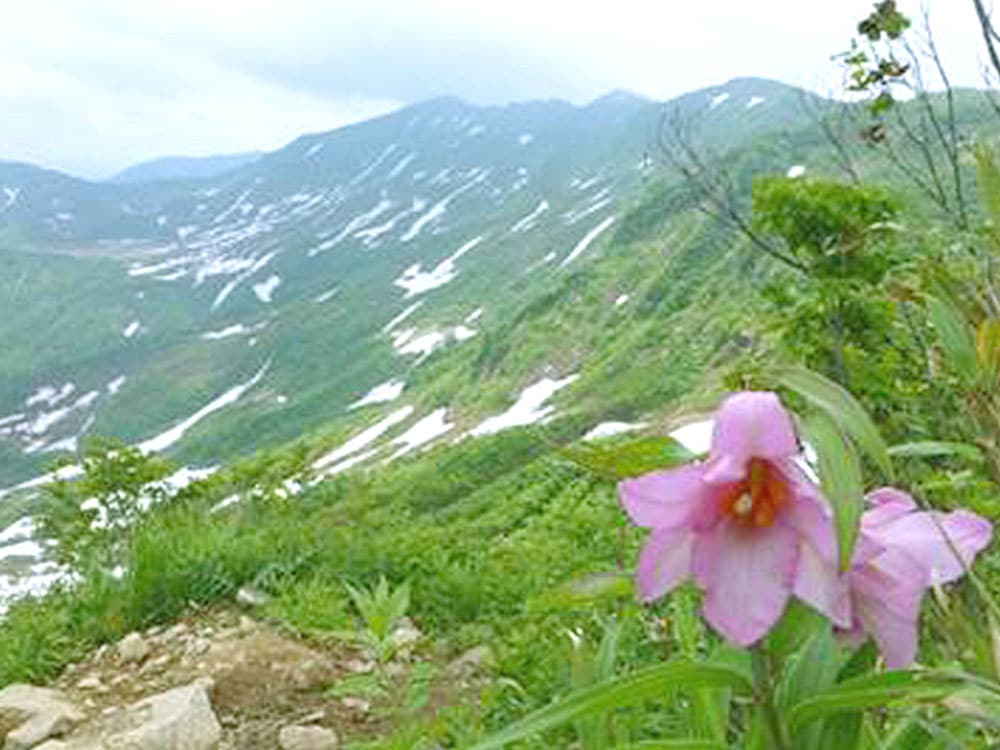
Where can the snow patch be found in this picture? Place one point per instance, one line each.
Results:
(796, 171)
(528, 222)
(529, 408)
(264, 291)
(718, 100)
(364, 438)
(326, 296)
(755, 101)
(402, 316)
(421, 345)
(116, 385)
(314, 149)
(473, 316)
(380, 394)
(462, 333)
(433, 426)
(696, 436)
(168, 438)
(131, 329)
(622, 299)
(610, 429)
(524, 139)
(588, 238)
(415, 281)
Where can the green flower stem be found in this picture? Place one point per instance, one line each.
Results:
(763, 682)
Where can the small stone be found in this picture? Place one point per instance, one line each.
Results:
(359, 666)
(175, 632)
(37, 714)
(251, 597)
(474, 660)
(90, 683)
(306, 738)
(356, 704)
(313, 717)
(154, 631)
(132, 649)
(198, 647)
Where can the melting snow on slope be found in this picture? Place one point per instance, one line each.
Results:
(719, 100)
(314, 149)
(696, 436)
(610, 429)
(587, 239)
(50, 395)
(796, 171)
(433, 426)
(224, 333)
(166, 439)
(462, 333)
(421, 345)
(415, 281)
(264, 291)
(326, 296)
(116, 385)
(473, 316)
(382, 393)
(755, 101)
(131, 329)
(622, 299)
(348, 463)
(530, 407)
(364, 438)
(438, 209)
(402, 316)
(528, 222)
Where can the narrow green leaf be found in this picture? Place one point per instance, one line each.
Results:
(840, 406)
(876, 691)
(937, 449)
(629, 458)
(672, 745)
(956, 336)
(840, 478)
(647, 684)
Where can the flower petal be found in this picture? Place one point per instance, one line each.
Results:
(665, 561)
(749, 425)
(886, 596)
(664, 499)
(747, 574)
(885, 505)
(943, 543)
(819, 583)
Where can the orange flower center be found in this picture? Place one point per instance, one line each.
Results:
(757, 499)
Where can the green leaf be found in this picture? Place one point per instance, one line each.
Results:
(672, 745)
(840, 478)
(876, 691)
(956, 336)
(840, 406)
(631, 458)
(937, 449)
(646, 684)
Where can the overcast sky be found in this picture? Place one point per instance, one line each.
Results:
(90, 86)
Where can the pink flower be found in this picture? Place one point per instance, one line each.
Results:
(746, 525)
(902, 552)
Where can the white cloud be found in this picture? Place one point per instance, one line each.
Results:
(93, 86)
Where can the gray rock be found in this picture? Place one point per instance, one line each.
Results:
(37, 713)
(251, 597)
(306, 738)
(179, 719)
(472, 661)
(132, 648)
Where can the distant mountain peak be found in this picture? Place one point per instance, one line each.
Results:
(184, 167)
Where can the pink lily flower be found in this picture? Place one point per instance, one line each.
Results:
(746, 525)
(901, 553)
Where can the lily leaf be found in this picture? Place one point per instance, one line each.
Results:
(628, 690)
(840, 406)
(840, 478)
